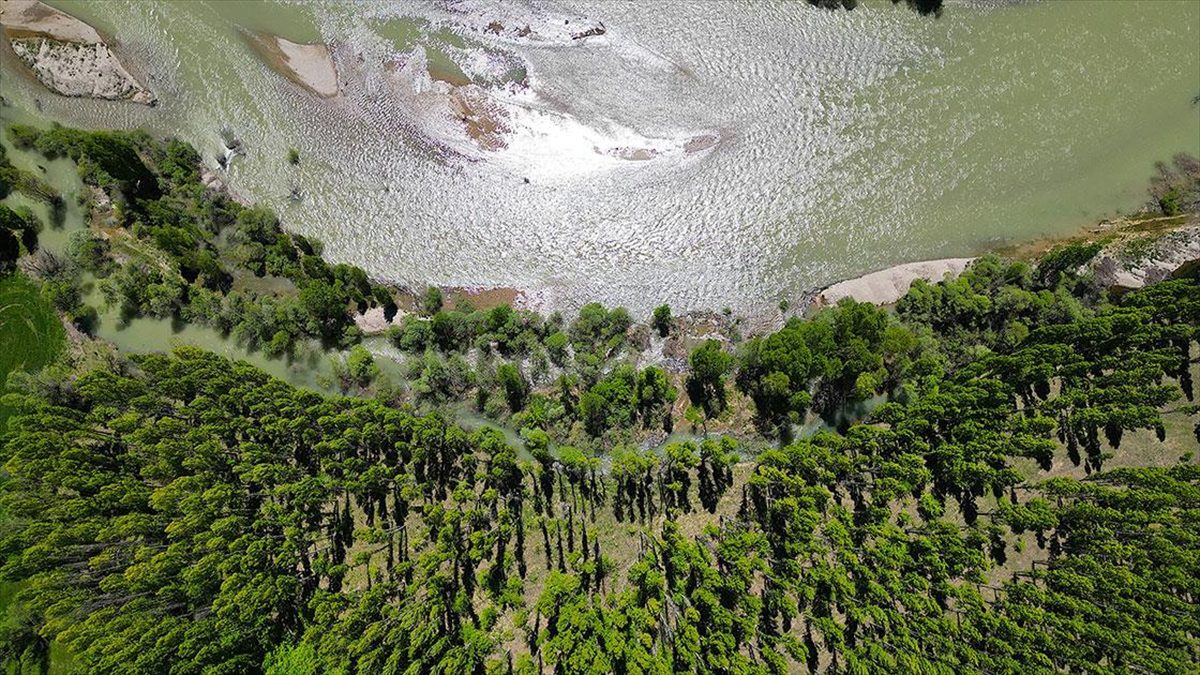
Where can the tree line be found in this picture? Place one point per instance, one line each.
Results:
(184, 513)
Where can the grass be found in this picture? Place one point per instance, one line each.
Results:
(31, 335)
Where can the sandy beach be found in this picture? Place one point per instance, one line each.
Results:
(889, 285)
(308, 65)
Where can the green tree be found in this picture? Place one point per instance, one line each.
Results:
(361, 365)
(706, 386)
(514, 384)
(431, 302)
(662, 319)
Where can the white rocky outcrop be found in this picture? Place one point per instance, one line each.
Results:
(66, 54)
(1136, 261)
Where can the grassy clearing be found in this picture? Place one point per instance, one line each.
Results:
(31, 335)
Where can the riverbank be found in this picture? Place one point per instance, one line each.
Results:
(267, 291)
(1135, 251)
(889, 285)
(276, 299)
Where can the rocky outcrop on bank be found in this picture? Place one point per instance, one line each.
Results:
(67, 55)
(518, 22)
(1137, 259)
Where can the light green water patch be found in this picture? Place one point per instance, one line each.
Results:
(266, 16)
(442, 67)
(309, 368)
(264, 285)
(855, 411)
(1046, 117)
(471, 420)
(60, 173)
(405, 33)
(408, 33)
(453, 39)
(28, 317)
(286, 20)
(446, 50)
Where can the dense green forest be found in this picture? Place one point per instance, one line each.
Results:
(932, 487)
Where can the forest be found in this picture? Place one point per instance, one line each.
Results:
(934, 487)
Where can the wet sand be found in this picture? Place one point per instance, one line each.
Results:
(33, 19)
(308, 65)
(484, 120)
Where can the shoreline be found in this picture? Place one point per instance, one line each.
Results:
(888, 285)
(885, 286)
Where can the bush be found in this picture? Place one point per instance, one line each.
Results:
(1064, 260)
(361, 365)
(1169, 202)
(556, 347)
(23, 136)
(452, 331)
(662, 320)
(432, 301)
(516, 387)
(415, 335)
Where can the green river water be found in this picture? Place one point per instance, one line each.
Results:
(848, 141)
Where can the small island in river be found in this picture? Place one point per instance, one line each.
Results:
(68, 55)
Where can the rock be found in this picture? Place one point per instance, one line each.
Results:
(67, 55)
(86, 70)
(1135, 261)
(374, 321)
(210, 179)
(598, 29)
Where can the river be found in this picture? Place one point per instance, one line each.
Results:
(708, 154)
